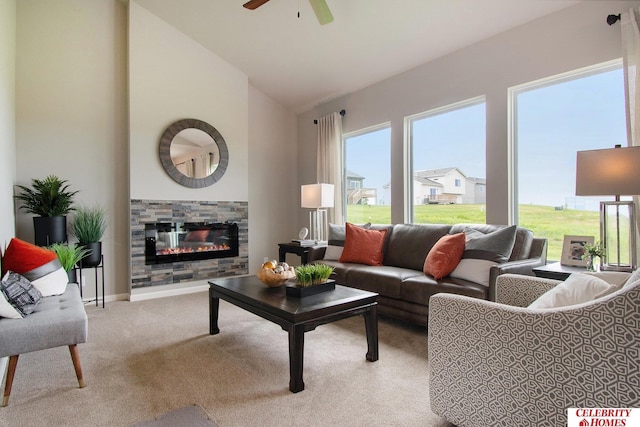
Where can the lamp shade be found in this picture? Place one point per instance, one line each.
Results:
(608, 172)
(315, 196)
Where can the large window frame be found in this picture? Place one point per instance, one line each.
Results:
(354, 134)
(512, 105)
(409, 144)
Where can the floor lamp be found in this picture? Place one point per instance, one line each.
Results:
(613, 172)
(318, 197)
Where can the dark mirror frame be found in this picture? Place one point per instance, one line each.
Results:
(170, 168)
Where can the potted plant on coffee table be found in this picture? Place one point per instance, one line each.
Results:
(88, 226)
(50, 200)
(311, 279)
(69, 255)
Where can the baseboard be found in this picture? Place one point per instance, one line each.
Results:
(163, 293)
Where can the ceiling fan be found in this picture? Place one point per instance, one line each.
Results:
(320, 8)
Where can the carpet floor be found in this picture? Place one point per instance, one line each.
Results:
(144, 359)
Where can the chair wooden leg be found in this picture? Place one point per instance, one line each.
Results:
(75, 356)
(11, 371)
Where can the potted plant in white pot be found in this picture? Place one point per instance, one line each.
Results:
(50, 200)
(88, 226)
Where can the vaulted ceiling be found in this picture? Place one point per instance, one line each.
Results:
(300, 63)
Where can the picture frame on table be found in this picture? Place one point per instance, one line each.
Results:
(574, 252)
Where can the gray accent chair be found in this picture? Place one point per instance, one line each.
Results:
(501, 364)
(57, 320)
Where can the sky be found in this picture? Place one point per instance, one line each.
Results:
(553, 123)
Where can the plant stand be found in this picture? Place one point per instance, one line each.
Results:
(95, 271)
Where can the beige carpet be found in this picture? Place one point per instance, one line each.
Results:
(146, 358)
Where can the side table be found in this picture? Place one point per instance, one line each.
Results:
(301, 251)
(557, 271)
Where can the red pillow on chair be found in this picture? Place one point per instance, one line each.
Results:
(363, 246)
(39, 265)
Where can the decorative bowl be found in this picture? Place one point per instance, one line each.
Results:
(273, 279)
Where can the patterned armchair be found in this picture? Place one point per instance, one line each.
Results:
(499, 364)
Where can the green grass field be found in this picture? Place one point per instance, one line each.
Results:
(544, 221)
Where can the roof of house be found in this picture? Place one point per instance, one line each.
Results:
(432, 173)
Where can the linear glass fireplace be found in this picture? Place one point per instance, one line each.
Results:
(167, 242)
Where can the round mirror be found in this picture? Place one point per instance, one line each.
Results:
(193, 153)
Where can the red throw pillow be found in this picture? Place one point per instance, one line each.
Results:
(363, 246)
(39, 265)
(445, 255)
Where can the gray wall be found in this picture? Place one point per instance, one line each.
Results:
(567, 40)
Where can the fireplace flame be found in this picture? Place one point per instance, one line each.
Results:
(189, 250)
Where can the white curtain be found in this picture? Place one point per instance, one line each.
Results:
(631, 58)
(191, 169)
(329, 167)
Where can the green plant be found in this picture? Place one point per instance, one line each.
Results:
(89, 224)
(69, 254)
(595, 250)
(312, 274)
(48, 197)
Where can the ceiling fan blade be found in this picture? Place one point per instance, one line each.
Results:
(254, 4)
(322, 11)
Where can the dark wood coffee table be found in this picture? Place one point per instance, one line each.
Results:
(296, 315)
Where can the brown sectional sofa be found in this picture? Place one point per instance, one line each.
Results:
(404, 290)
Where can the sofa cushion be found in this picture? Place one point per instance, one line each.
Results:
(20, 293)
(57, 320)
(383, 280)
(419, 289)
(445, 255)
(483, 251)
(340, 270)
(409, 244)
(363, 246)
(578, 288)
(39, 265)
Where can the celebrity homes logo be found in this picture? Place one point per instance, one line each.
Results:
(603, 417)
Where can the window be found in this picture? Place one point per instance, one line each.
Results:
(555, 118)
(368, 175)
(447, 169)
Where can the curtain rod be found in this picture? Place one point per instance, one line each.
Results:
(612, 19)
(342, 113)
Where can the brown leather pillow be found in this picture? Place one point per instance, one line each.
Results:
(445, 255)
(363, 246)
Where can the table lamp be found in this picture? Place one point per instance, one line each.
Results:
(613, 172)
(318, 197)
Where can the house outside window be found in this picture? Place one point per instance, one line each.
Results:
(447, 147)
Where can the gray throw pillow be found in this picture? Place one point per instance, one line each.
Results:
(495, 246)
(483, 251)
(20, 293)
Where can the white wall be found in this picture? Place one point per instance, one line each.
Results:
(171, 77)
(273, 189)
(72, 120)
(570, 39)
(71, 112)
(7, 119)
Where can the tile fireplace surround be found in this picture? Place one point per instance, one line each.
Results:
(146, 211)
